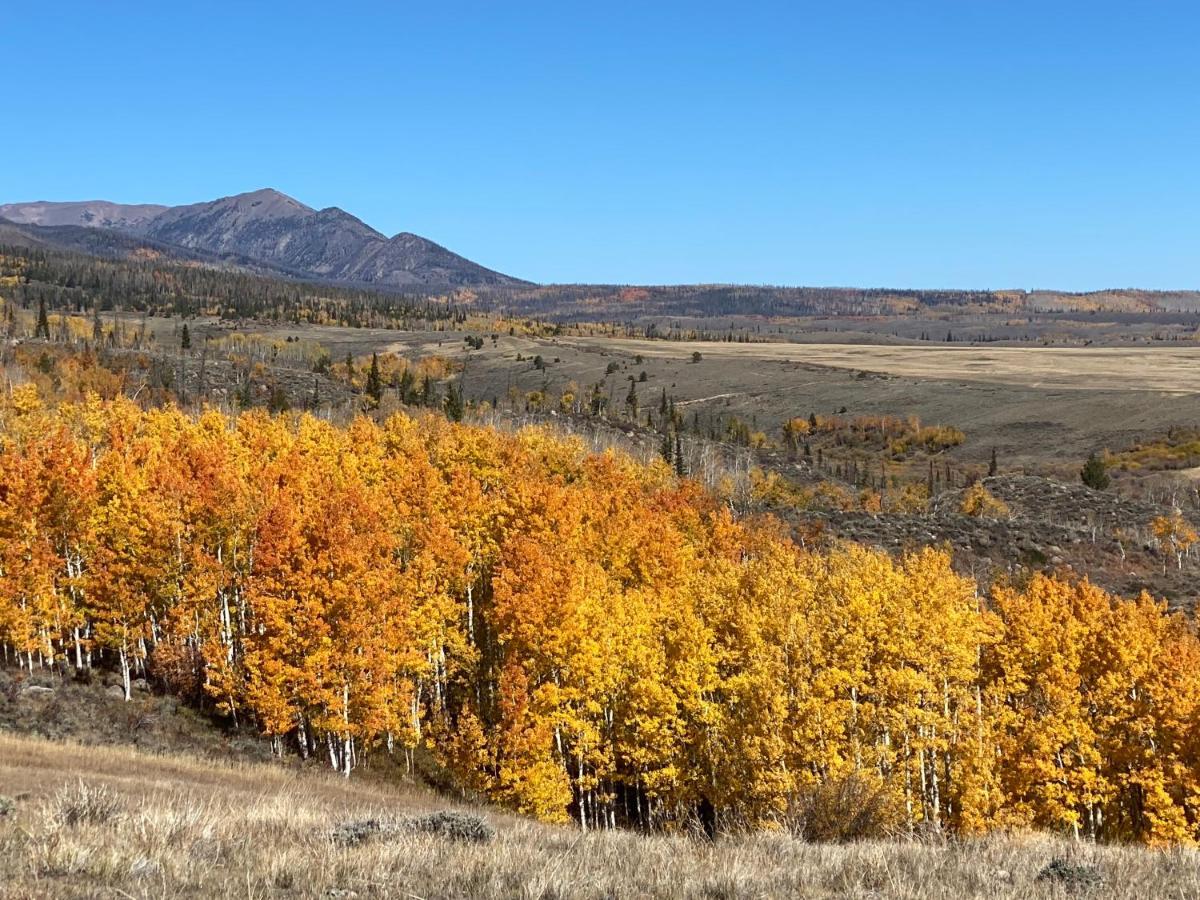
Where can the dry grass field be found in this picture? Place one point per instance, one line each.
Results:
(1166, 369)
(114, 822)
(1042, 407)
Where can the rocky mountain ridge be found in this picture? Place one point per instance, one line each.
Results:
(275, 230)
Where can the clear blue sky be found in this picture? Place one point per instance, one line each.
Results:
(965, 143)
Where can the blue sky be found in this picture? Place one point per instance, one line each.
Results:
(938, 144)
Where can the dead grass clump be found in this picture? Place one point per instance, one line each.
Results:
(8, 806)
(839, 810)
(86, 804)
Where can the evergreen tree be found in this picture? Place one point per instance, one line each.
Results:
(406, 385)
(454, 403)
(667, 449)
(992, 467)
(1095, 473)
(374, 381)
(680, 468)
(185, 339)
(43, 322)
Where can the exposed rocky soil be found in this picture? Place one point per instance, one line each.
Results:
(1052, 526)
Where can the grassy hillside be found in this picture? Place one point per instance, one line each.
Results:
(117, 822)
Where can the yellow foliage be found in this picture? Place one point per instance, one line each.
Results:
(581, 636)
(979, 502)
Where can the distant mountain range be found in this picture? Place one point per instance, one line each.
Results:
(263, 230)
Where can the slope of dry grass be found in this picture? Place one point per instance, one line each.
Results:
(114, 822)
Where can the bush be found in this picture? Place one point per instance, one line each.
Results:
(979, 502)
(1094, 473)
(457, 826)
(8, 806)
(86, 804)
(1070, 875)
(837, 810)
(466, 828)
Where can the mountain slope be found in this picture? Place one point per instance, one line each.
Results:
(276, 231)
(91, 213)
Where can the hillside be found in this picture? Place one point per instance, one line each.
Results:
(88, 213)
(89, 822)
(272, 230)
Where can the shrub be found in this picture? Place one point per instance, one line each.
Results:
(86, 804)
(457, 826)
(1094, 473)
(837, 810)
(466, 828)
(1069, 874)
(979, 502)
(8, 806)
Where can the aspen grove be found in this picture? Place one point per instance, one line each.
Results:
(577, 636)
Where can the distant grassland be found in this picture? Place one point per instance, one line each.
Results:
(169, 826)
(1170, 369)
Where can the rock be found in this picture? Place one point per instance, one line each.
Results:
(115, 690)
(139, 685)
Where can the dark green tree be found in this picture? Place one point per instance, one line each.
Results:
(1095, 473)
(374, 381)
(454, 403)
(42, 330)
(185, 338)
(667, 449)
(406, 385)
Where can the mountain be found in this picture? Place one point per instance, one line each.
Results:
(90, 213)
(273, 230)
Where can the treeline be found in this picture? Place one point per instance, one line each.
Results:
(566, 302)
(578, 635)
(73, 282)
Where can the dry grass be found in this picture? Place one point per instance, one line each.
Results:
(178, 827)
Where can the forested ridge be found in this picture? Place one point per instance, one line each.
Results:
(578, 635)
(61, 280)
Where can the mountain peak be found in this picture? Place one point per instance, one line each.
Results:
(272, 195)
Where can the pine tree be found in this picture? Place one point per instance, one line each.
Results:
(406, 385)
(42, 329)
(185, 339)
(992, 466)
(1095, 473)
(374, 381)
(454, 403)
(667, 449)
